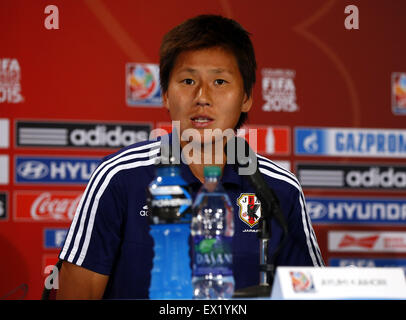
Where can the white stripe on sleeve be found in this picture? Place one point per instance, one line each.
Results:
(307, 227)
(93, 182)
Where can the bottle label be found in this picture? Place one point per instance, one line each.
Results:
(212, 255)
(169, 203)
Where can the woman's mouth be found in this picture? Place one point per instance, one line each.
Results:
(201, 121)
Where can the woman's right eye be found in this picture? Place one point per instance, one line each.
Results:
(188, 81)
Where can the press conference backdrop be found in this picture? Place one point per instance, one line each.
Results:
(79, 79)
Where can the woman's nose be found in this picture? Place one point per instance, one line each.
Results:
(203, 96)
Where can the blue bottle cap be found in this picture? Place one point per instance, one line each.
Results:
(212, 171)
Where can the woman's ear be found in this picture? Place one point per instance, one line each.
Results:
(247, 103)
(165, 100)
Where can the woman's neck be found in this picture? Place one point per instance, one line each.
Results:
(198, 157)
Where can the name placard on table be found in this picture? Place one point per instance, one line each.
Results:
(339, 283)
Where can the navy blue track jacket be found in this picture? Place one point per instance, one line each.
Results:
(110, 230)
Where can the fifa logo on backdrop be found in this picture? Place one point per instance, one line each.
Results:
(278, 90)
(10, 76)
(142, 85)
(399, 93)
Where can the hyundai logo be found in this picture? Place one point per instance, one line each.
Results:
(316, 210)
(32, 170)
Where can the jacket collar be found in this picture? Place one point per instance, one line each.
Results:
(230, 176)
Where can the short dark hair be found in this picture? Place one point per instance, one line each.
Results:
(207, 31)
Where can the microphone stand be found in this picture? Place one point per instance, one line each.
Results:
(269, 209)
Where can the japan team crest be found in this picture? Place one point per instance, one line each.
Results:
(250, 208)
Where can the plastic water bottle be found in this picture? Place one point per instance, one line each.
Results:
(169, 206)
(212, 229)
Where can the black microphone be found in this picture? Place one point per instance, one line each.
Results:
(245, 162)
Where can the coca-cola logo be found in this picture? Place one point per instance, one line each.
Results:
(51, 207)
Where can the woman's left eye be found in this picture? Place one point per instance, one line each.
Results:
(220, 81)
(188, 81)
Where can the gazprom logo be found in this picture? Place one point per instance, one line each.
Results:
(310, 141)
(344, 142)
